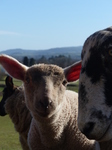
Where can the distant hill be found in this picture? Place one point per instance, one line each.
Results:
(73, 52)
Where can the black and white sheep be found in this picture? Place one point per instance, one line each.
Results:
(53, 108)
(13, 104)
(95, 88)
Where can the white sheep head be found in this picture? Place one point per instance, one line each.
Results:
(95, 87)
(44, 85)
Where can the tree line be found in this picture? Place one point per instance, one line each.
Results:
(61, 60)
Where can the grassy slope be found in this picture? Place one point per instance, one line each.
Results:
(9, 138)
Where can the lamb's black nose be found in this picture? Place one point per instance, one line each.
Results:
(45, 103)
(88, 128)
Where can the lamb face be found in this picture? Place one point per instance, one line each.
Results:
(44, 89)
(44, 84)
(95, 87)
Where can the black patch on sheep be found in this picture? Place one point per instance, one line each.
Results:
(100, 116)
(108, 89)
(109, 29)
(93, 67)
(83, 93)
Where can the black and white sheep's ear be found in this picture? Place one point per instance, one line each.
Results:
(72, 72)
(9, 82)
(13, 67)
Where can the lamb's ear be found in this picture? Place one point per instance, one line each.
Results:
(9, 82)
(72, 72)
(13, 67)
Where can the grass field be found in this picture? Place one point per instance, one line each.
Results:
(9, 138)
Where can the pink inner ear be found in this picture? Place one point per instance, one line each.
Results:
(74, 73)
(13, 67)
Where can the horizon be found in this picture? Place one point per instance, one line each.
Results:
(40, 25)
(41, 49)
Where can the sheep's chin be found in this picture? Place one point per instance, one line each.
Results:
(45, 113)
(107, 134)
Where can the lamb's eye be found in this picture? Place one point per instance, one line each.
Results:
(64, 82)
(27, 80)
(56, 73)
(110, 52)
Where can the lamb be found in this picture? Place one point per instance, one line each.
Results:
(53, 108)
(13, 100)
(95, 88)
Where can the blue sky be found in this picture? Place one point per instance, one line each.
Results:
(44, 24)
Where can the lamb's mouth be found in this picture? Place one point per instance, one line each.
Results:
(43, 112)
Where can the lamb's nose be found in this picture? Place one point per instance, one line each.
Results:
(88, 128)
(45, 103)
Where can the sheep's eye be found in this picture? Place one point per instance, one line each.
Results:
(27, 80)
(64, 82)
(56, 73)
(110, 52)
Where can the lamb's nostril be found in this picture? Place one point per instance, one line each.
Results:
(45, 103)
(88, 128)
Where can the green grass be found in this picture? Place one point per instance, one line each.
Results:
(73, 86)
(9, 138)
